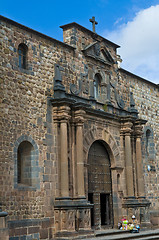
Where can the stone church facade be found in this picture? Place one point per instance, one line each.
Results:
(79, 135)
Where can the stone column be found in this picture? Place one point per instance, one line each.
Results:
(128, 159)
(64, 159)
(139, 165)
(4, 231)
(73, 159)
(64, 151)
(79, 153)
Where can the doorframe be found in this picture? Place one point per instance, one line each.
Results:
(111, 194)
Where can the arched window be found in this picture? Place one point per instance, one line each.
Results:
(22, 55)
(25, 155)
(26, 163)
(118, 182)
(148, 136)
(148, 143)
(97, 85)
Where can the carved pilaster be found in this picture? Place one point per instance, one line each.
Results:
(61, 116)
(139, 165)
(126, 131)
(79, 120)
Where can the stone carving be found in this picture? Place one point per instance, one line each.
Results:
(59, 89)
(73, 88)
(113, 96)
(132, 104)
(107, 56)
(86, 219)
(120, 101)
(58, 77)
(94, 51)
(82, 83)
(97, 49)
(71, 220)
(84, 79)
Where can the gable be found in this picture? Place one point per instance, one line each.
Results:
(95, 51)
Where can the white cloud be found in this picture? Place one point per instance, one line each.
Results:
(139, 41)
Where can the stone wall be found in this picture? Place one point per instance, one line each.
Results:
(80, 37)
(146, 96)
(26, 114)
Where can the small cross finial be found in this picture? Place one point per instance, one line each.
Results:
(92, 20)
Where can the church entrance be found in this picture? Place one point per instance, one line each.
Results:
(100, 186)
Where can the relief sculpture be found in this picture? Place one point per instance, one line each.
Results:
(82, 83)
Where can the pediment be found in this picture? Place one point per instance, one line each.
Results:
(99, 53)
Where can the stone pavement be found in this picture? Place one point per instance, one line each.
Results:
(116, 235)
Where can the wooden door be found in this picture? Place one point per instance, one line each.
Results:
(99, 185)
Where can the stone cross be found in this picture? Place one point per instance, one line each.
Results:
(92, 20)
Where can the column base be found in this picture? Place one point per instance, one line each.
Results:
(140, 208)
(133, 202)
(72, 216)
(63, 235)
(154, 217)
(4, 231)
(146, 225)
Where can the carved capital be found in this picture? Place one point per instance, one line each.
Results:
(138, 131)
(64, 113)
(79, 117)
(55, 113)
(61, 113)
(126, 128)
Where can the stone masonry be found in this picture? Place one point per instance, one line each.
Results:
(72, 96)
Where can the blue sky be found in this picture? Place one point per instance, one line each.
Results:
(113, 16)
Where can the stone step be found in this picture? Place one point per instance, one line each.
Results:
(125, 235)
(100, 233)
(114, 234)
(149, 238)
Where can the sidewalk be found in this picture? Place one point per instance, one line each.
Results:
(117, 234)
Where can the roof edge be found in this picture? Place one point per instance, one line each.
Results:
(66, 26)
(141, 78)
(34, 31)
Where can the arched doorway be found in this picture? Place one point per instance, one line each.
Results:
(100, 186)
